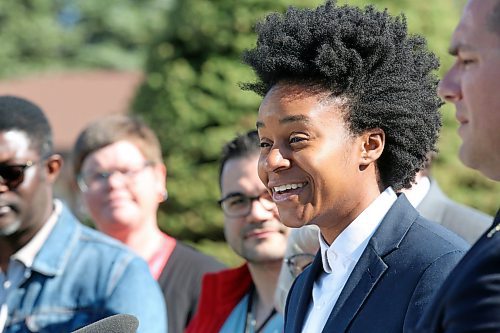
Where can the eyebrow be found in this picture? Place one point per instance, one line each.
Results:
(290, 119)
(454, 48)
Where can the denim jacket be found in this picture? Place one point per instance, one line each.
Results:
(80, 276)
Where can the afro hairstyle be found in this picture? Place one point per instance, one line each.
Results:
(367, 57)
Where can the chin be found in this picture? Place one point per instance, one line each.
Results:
(10, 228)
(264, 254)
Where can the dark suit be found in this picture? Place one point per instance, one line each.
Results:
(395, 278)
(466, 222)
(469, 300)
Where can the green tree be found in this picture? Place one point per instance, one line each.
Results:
(192, 100)
(45, 35)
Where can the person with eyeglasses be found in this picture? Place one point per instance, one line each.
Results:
(119, 169)
(57, 275)
(241, 300)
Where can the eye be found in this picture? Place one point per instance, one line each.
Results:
(236, 201)
(265, 144)
(465, 61)
(100, 176)
(296, 139)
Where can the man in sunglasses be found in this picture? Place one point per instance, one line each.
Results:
(241, 300)
(57, 275)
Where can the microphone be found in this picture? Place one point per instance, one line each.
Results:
(119, 323)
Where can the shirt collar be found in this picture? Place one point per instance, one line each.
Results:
(418, 191)
(351, 242)
(28, 252)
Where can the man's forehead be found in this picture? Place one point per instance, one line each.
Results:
(472, 32)
(15, 144)
(240, 174)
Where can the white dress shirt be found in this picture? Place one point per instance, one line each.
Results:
(340, 258)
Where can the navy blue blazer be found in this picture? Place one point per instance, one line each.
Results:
(405, 262)
(469, 300)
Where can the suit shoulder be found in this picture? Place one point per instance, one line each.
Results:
(192, 256)
(437, 235)
(429, 241)
(455, 214)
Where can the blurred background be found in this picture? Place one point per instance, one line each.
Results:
(176, 64)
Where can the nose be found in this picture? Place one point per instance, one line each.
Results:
(276, 161)
(262, 210)
(449, 87)
(116, 179)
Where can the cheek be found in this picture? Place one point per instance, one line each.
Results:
(261, 170)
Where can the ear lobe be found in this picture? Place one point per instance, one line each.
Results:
(54, 165)
(373, 146)
(161, 174)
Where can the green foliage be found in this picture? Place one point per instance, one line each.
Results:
(192, 100)
(44, 35)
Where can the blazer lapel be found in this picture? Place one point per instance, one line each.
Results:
(371, 266)
(305, 292)
(363, 278)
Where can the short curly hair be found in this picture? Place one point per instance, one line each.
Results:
(368, 57)
(17, 113)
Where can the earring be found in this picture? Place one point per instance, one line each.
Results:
(164, 196)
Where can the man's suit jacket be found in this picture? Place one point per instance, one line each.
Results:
(469, 300)
(466, 222)
(405, 261)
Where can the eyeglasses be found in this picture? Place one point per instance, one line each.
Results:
(298, 262)
(240, 205)
(96, 180)
(12, 175)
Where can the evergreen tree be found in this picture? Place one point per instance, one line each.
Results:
(192, 99)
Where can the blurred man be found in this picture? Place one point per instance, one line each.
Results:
(120, 170)
(469, 300)
(56, 274)
(348, 118)
(241, 300)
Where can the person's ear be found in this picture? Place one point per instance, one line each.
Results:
(161, 181)
(54, 166)
(373, 142)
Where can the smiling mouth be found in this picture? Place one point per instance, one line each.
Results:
(259, 233)
(287, 187)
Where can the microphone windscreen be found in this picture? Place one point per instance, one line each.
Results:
(119, 323)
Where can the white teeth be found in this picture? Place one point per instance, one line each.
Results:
(285, 187)
(5, 209)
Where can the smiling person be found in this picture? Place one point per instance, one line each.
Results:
(240, 300)
(469, 300)
(118, 163)
(57, 275)
(349, 114)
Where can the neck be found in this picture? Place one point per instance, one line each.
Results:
(7, 248)
(10, 244)
(145, 240)
(333, 226)
(265, 279)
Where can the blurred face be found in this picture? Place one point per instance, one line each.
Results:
(25, 185)
(309, 161)
(258, 237)
(123, 188)
(472, 84)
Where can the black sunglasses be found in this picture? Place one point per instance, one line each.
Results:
(12, 175)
